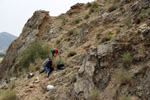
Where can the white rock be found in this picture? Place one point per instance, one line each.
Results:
(49, 87)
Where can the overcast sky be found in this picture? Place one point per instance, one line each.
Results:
(15, 13)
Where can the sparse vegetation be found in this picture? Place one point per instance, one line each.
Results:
(118, 30)
(89, 4)
(36, 65)
(35, 51)
(71, 32)
(7, 95)
(126, 58)
(73, 78)
(57, 41)
(144, 14)
(86, 16)
(123, 76)
(94, 4)
(124, 97)
(77, 21)
(12, 85)
(106, 38)
(94, 93)
(59, 60)
(112, 8)
(127, 20)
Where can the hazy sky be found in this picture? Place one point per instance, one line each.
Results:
(15, 13)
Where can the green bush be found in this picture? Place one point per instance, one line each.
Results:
(7, 95)
(94, 4)
(126, 58)
(77, 21)
(89, 4)
(34, 51)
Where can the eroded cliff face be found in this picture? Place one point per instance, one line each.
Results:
(34, 29)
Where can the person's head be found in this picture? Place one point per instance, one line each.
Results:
(56, 51)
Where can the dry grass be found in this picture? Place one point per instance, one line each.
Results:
(7, 95)
(12, 85)
(126, 58)
(59, 60)
(37, 65)
(123, 76)
(94, 93)
(124, 97)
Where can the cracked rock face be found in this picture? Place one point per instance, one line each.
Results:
(90, 74)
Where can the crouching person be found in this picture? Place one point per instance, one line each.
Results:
(47, 65)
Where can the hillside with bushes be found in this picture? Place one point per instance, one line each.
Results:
(104, 44)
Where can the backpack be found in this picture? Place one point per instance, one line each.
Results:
(60, 66)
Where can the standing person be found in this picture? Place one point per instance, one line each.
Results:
(55, 52)
(47, 64)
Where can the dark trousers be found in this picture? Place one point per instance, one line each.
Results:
(43, 69)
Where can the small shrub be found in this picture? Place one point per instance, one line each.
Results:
(126, 58)
(94, 4)
(124, 97)
(77, 21)
(91, 10)
(86, 16)
(112, 8)
(89, 4)
(118, 30)
(144, 14)
(121, 8)
(124, 76)
(58, 41)
(7, 95)
(71, 32)
(71, 53)
(34, 51)
(127, 20)
(94, 94)
(106, 38)
(73, 78)
(12, 85)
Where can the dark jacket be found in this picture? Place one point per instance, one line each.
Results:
(49, 65)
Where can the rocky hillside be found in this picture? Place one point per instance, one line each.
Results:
(5, 40)
(111, 45)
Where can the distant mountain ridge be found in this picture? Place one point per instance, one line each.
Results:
(5, 40)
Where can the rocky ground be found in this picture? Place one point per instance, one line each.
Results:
(111, 41)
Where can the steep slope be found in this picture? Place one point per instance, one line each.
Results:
(5, 40)
(111, 44)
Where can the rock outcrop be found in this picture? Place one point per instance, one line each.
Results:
(34, 29)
